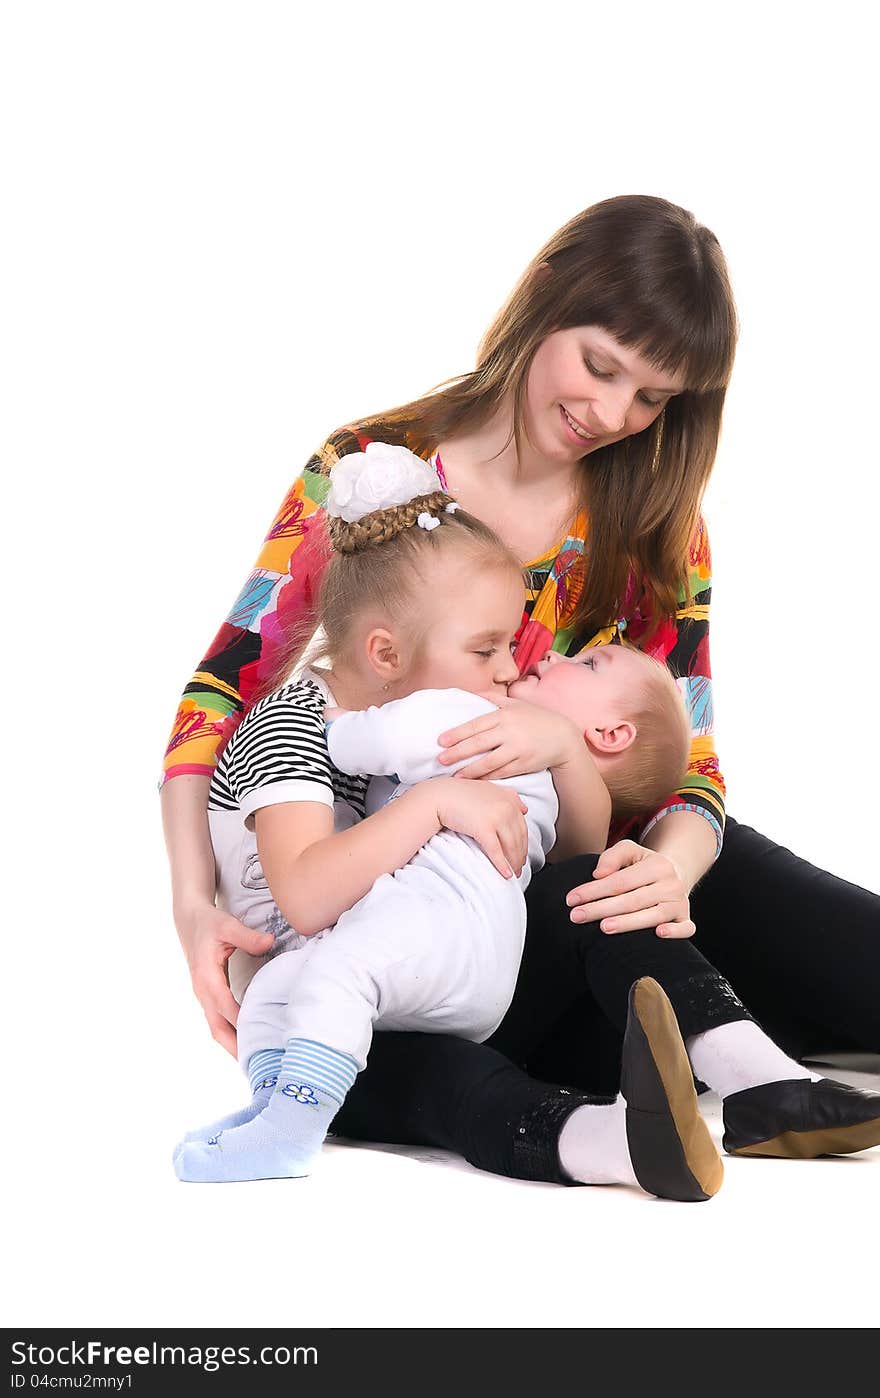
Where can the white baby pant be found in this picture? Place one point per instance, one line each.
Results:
(435, 946)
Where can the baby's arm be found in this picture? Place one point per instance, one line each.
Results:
(399, 739)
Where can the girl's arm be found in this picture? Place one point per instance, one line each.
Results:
(315, 875)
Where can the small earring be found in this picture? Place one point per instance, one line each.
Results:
(386, 686)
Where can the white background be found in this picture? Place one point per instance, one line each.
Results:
(228, 230)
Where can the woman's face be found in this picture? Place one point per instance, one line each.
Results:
(585, 389)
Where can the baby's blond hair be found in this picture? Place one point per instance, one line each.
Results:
(655, 763)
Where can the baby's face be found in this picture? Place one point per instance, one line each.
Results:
(595, 688)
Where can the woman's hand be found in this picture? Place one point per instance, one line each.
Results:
(494, 816)
(519, 737)
(634, 887)
(209, 936)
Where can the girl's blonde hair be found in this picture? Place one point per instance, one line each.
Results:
(383, 563)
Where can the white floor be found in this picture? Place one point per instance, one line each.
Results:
(100, 1232)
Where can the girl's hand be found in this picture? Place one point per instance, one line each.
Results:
(519, 737)
(634, 887)
(494, 816)
(209, 936)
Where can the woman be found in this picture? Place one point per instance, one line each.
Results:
(594, 412)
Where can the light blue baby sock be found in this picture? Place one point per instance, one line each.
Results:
(284, 1140)
(262, 1070)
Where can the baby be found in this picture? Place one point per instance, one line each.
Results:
(436, 944)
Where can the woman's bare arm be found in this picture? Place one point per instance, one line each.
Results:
(688, 841)
(207, 934)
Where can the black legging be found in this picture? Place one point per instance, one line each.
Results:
(801, 947)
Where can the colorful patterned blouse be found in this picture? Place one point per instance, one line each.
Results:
(284, 584)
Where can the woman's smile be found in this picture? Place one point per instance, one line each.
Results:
(574, 429)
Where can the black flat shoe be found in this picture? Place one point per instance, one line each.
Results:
(672, 1153)
(800, 1119)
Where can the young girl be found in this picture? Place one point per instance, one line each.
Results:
(438, 944)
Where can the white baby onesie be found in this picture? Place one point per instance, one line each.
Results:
(435, 946)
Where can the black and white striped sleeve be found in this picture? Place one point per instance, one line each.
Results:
(278, 753)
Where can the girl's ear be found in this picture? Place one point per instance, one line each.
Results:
(383, 654)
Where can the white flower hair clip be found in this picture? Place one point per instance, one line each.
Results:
(452, 507)
(377, 479)
(426, 521)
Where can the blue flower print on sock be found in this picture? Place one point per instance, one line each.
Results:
(301, 1092)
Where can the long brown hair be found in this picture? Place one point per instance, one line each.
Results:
(644, 270)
